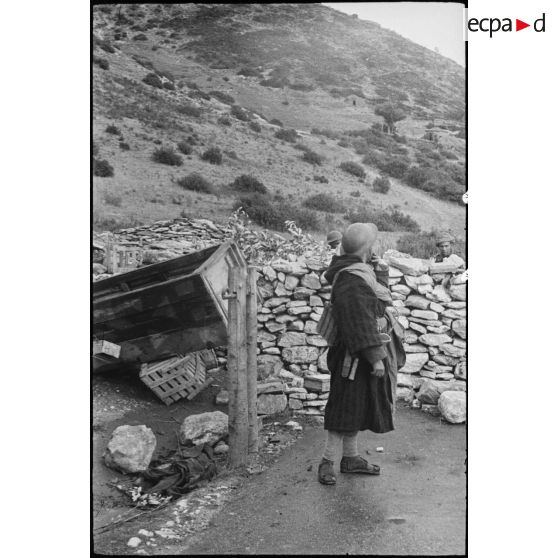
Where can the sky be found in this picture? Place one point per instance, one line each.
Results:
(430, 24)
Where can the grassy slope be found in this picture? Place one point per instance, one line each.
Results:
(147, 189)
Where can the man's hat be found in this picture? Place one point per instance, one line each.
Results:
(333, 236)
(444, 237)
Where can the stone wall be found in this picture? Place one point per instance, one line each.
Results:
(292, 357)
(292, 369)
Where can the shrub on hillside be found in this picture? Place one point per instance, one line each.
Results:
(275, 82)
(230, 153)
(240, 114)
(212, 155)
(355, 194)
(95, 149)
(325, 202)
(184, 147)
(248, 72)
(112, 129)
(276, 121)
(353, 168)
(321, 178)
(248, 183)
(255, 126)
(381, 184)
(394, 165)
(224, 120)
(312, 157)
(197, 183)
(223, 97)
(167, 156)
(289, 135)
(189, 110)
(273, 214)
(195, 94)
(101, 62)
(154, 80)
(385, 219)
(124, 146)
(102, 168)
(139, 37)
(104, 45)
(169, 85)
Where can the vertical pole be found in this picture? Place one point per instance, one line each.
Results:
(251, 364)
(236, 368)
(109, 258)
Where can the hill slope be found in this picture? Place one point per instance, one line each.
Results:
(234, 76)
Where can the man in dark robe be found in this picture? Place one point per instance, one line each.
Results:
(363, 360)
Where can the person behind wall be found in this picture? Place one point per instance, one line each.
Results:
(445, 254)
(334, 241)
(364, 359)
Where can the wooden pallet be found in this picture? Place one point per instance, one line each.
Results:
(178, 377)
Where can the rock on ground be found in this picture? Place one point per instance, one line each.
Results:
(130, 448)
(453, 406)
(204, 428)
(270, 404)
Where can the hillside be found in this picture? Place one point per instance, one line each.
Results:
(234, 77)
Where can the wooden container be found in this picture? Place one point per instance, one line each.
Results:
(178, 377)
(168, 308)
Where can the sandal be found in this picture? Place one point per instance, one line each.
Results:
(358, 464)
(326, 474)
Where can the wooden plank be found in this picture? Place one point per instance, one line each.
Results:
(151, 274)
(236, 366)
(251, 359)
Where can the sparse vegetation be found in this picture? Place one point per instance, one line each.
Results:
(224, 120)
(325, 202)
(255, 127)
(223, 97)
(240, 114)
(289, 135)
(312, 157)
(103, 63)
(385, 219)
(140, 37)
(197, 183)
(273, 214)
(212, 155)
(248, 183)
(276, 121)
(381, 184)
(189, 110)
(353, 168)
(321, 178)
(231, 154)
(154, 80)
(112, 129)
(102, 168)
(113, 199)
(167, 156)
(184, 147)
(124, 146)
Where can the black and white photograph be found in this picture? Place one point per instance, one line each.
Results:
(279, 278)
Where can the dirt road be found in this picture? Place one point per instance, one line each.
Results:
(416, 506)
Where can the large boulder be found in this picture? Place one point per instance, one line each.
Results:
(405, 263)
(458, 292)
(270, 404)
(204, 428)
(428, 392)
(453, 406)
(130, 448)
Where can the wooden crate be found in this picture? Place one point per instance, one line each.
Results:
(317, 382)
(178, 377)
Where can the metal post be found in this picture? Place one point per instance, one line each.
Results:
(252, 365)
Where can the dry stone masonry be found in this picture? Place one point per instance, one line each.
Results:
(292, 357)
